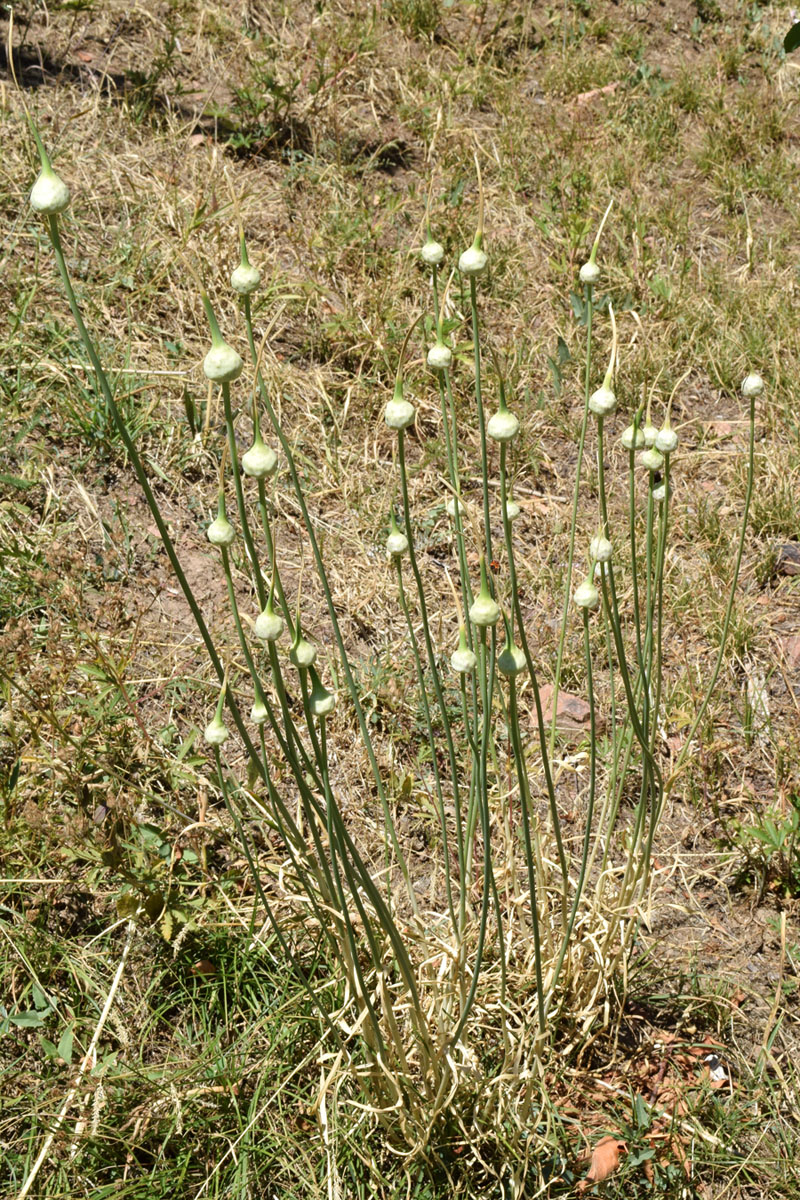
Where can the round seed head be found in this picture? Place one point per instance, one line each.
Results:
(632, 439)
(220, 532)
(245, 279)
(473, 261)
(752, 385)
(589, 272)
(269, 624)
(258, 713)
(513, 510)
(660, 492)
(440, 357)
(450, 506)
(586, 595)
(399, 413)
(602, 402)
(222, 364)
(259, 461)
(432, 253)
(215, 732)
(503, 426)
(652, 459)
(49, 194)
(601, 549)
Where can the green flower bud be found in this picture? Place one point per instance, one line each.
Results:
(245, 279)
(503, 426)
(260, 460)
(511, 659)
(269, 624)
(632, 438)
(222, 364)
(258, 713)
(215, 732)
(396, 542)
(589, 272)
(432, 253)
(752, 386)
(473, 261)
(463, 659)
(321, 701)
(484, 610)
(601, 549)
(602, 402)
(586, 595)
(49, 194)
(399, 412)
(440, 357)
(649, 433)
(666, 439)
(302, 653)
(220, 532)
(652, 459)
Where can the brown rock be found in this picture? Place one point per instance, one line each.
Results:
(791, 651)
(787, 560)
(572, 713)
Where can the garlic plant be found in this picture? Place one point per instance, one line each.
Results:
(418, 987)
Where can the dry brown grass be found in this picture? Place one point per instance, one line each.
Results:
(333, 205)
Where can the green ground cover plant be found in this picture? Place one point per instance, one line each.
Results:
(403, 889)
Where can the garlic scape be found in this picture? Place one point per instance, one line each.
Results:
(215, 732)
(220, 532)
(590, 272)
(463, 660)
(245, 278)
(302, 653)
(396, 542)
(603, 402)
(586, 595)
(503, 426)
(49, 194)
(260, 460)
(321, 701)
(222, 364)
(473, 261)
(510, 660)
(432, 253)
(484, 610)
